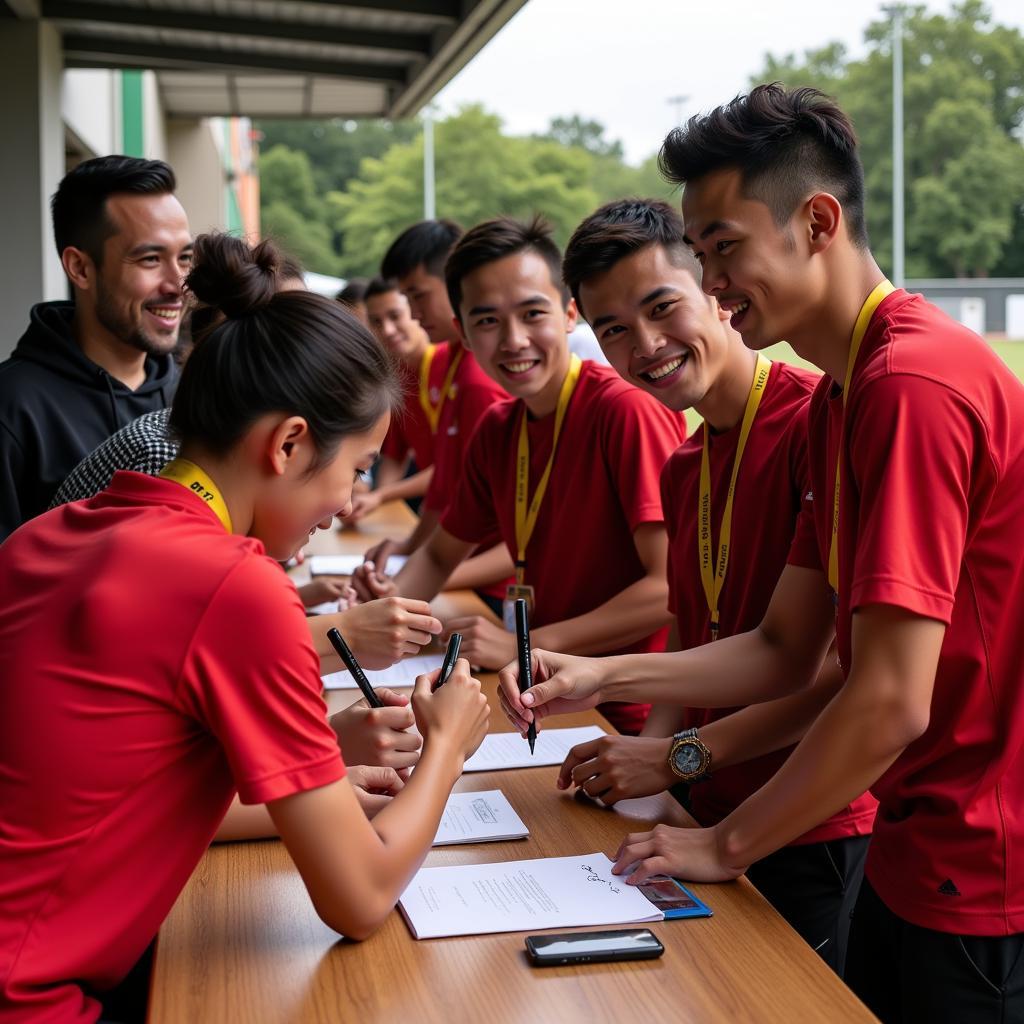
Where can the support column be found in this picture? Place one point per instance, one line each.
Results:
(31, 168)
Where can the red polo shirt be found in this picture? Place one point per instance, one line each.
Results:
(772, 481)
(604, 484)
(930, 521)
(410, 429)
(152, 666)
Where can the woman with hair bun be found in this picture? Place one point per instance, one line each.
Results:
(156, 661)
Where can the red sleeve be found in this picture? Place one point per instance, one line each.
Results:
(252, 678)
(396, 445)
(803, 551)
(471, 515)
(638, 436)
(912, 444)
(671, 514)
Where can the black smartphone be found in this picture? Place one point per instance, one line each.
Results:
(593, 947)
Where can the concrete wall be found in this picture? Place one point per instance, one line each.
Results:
(195, 156)
(154, 122)
(91, 109)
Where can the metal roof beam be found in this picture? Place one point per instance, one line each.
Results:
(151, 55)
(417, 45)
(442, 10)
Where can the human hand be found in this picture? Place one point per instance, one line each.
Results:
(455, 715)
(562, 684)
(324, 588)
(362, 505)
(371, 584)
(378, 736)
(689, 853)
(483, 642)
(615, 768)
(383, 631)
(374, 786)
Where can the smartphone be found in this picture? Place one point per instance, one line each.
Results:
(593, 947)
(672, 898)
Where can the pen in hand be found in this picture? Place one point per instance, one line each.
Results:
(525, 667)
(346, 655)
(451, 655)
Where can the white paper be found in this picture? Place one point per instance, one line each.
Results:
(345, 565)
(524, 895)
(479, 818)
(402, 673)
(502, 750)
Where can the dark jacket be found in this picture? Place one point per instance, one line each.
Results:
(56, 406)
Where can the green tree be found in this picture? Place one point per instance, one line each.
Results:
(588, 135)
(963, 111)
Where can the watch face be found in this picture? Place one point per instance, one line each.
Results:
(688, 759)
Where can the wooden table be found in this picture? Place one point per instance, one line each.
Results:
(243, 943)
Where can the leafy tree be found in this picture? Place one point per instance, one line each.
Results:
(963, 111)
(588, 135)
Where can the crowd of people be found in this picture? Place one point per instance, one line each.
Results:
(800, 618)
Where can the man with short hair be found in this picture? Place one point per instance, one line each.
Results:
(86, 368)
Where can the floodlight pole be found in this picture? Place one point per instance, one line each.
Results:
(896, 12)
(678, 102)
(429, 202)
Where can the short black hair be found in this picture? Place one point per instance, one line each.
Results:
(425, 244)
(494, 240)
(354, 292)
(267, 350)
(619, 229)
(786, 144)
(379, 286)
(79, 206)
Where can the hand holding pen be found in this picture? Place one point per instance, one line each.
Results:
(525, 657)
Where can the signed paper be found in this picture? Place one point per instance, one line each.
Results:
(524, 895)
(345, 565)
(479, 818)
(402, 673)
(502, 750)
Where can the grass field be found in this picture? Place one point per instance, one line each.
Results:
(1011, 352)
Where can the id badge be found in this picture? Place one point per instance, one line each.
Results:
(508, 606)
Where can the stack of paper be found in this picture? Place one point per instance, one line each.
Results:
(503, 750)
(479, 818)
(402, 673)
(345, 565)
(524, 895)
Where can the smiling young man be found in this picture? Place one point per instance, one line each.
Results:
(637, 283)
(916, 453)
(85, 369)
(587, 531)
(453, 393)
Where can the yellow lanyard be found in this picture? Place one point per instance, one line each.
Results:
(860, 328)
(433, 412)
(712, 574)
(191, 477)
(526, 517)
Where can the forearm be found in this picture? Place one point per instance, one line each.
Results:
(429, 518)
(424, 575)
(764, 728)
(493, 566)
(245, 821)
(414, 486)
(390, 471)
(664, 720)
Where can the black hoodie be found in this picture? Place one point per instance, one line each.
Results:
(56, 406)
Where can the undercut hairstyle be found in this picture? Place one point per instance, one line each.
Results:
(619, 229)
(291, 352)
(79, 206)
(379, 286)
(353, 293)
(494, 240)
(426, 244)
(786, 144)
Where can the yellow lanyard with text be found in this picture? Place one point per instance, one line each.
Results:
(196, 480)
(860, 328)
(712, 573)
(526, 516)
(433, 412)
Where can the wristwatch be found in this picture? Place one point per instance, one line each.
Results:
(689, 758)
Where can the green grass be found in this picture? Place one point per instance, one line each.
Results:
(1011, 352)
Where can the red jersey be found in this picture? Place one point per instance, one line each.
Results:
(932, 503)
(604, 484)
(772, 481)
(152, 665)
(410, 429)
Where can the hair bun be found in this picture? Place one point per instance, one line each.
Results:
(232, 276)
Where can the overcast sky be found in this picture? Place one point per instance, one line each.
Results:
(621, 62)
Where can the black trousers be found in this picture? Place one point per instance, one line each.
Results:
(815, 887)
(911, 975)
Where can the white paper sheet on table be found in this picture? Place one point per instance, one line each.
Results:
(402, 673)
(501, 750)
(345, 565)
(479, 818)
(523, 895)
